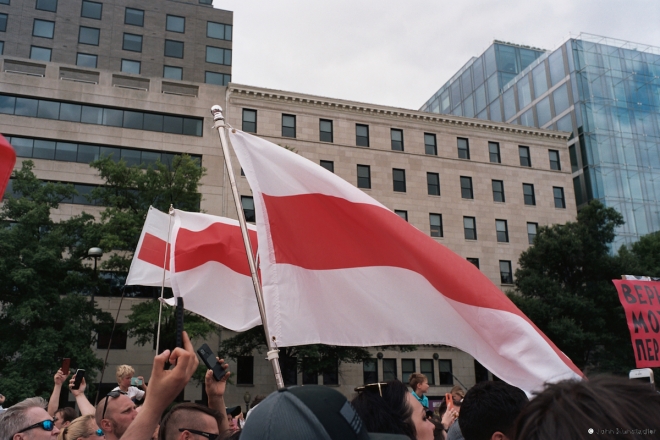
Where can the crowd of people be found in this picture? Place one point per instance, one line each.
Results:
(606, 407)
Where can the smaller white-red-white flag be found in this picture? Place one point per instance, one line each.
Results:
(152, 253)
(210, 271)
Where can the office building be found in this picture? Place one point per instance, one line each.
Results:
(605, 92)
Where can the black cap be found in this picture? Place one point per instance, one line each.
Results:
(308, 412)
(234, 411)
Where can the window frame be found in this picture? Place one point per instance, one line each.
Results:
(34, 25)
(98, 35)
(226, 78)
(502, 230)
(167, 18)
(430, 149)
(246, 210)
(474, 261)
(502, 273)
(289, 130)
(499, 192)
(470, 187)
(362, 141)
(329, 135)
(525, 161)
(224, 25)
(402, 213)
(126, 16)
(244, 122)
(82, 9)
(404, 371)
(433, 188)
(366, 168)
(436, 230)
(559, 198)
(447, 375)
(531, 237)
(45, 8)
(96, 59)
(175, 68)
(328, 165)
(463, 153)
(494, 152)
(123, 42)
(529, 197)
(391, 363)
(139, 64)
(557, 161)
(430, 374)
(370, 375)
(397, 144)
(50, 53)
(175, 43)
(473, 229)
(399, 185)
(211, 49)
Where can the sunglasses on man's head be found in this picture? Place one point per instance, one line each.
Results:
(373, 387)
(208, 435)
(98, 432)
(112, 394)
(46, 425)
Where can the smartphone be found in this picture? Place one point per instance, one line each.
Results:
(65, 366)
(208, 357)
(136, 382)
(642, 375)
(179, 322)
(80, 373)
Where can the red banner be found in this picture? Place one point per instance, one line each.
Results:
(641, 301)
(7, 161)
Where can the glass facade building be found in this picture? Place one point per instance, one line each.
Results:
(605, 92)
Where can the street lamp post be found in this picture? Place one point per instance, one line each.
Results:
(95, 253)
(246, 399)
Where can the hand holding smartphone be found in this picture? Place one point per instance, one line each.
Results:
(136, 382)
(80, 374)
(209, 359)
(66, 362)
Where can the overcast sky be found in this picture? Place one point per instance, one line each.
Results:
(399, 53)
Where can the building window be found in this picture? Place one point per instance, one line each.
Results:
(130, 66)
(309, 378)
(498, 191)
(389, 370)
(426, 368)
(47, 5)
(525, 159)
(474, 261)
(86, 60)
(502, 231)
(494, 152)
(407, 368)
(559, 197)
(463, 148)
(325, 130)
(91, 10)
(528, 192)
(219, 31)
(430, 144)
(249, 121)
(134, 17)
(466, 187)
(531, 232)
(446, 376)
(247, 202)
(470, 228)
(554, 160)
(399, 179)
(289, 366)
(397, 139)
(288, 126)
(205, 2)
(505, 272)
(361, 135)
(218, 55)
(41, 28)
(328, 165)
(331, 375)
(433, 184)
(172, 72)
(435, 221)
(402, 214)
(174, 49)
(370, 371)
(245, 370)
(175, 24)
(132, 42)
(88, 35)
(219, 79)
(40, 53)
(113, 340)
(364, 176)
(2, 47)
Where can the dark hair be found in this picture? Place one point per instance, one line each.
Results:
(490, 407)
(67, 414)
(417, 379)
(184, 413)
(567, 410)
(389, 414)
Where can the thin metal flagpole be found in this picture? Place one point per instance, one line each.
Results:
(162, 286)
(273, 352)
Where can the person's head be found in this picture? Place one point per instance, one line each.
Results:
(257, 400)
(571, 409)
(389, 408)
(124, 375)
(419, 383)
(28, 420)
(307, 412)
(187, 420)
(82, 428)
(114, 414)
(489, 410)
(64, 416)
(457, 393)
(232, 414)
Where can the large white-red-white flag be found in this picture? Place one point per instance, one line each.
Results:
(339, 268)
(205, 264)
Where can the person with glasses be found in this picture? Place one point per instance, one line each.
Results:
(190, 421)
(114, 414)
(82, 428)
(28, 420)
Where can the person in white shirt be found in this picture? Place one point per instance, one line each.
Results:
(124, 375)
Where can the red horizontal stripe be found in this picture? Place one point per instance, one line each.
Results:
(153, 251)
(219, 242)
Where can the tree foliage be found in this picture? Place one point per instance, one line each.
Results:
(564, 286)
(44, 316)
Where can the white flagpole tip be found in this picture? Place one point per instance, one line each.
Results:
(216, 111)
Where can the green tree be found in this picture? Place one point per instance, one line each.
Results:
(44, 315)
(643, 256)
(564, 286)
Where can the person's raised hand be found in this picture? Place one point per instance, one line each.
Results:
(216, 388)
(59, 377)
(80, 390)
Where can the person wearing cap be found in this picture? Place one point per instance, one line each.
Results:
(233, 415)
(308, 412)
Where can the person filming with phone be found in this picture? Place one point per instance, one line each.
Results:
(134, 387)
